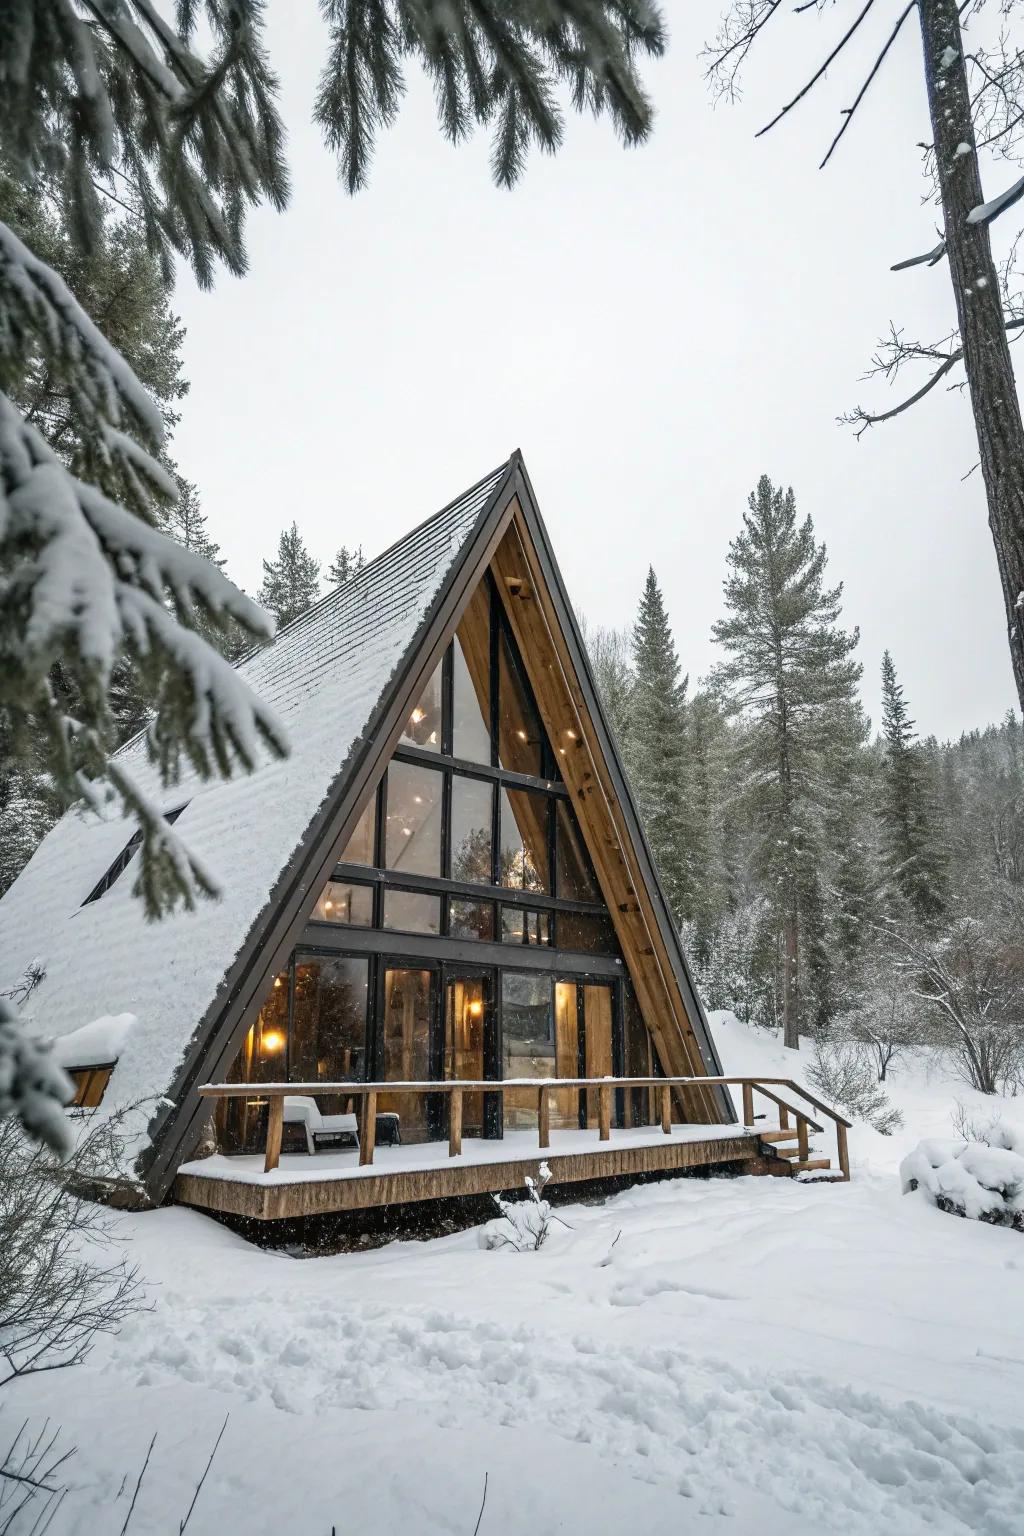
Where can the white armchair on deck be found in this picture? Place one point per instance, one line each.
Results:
(300, 1110)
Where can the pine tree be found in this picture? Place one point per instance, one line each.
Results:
(910, 851)
(791, 677)
(186, 522)
(291, 583)
(656, 754)
(346, 563)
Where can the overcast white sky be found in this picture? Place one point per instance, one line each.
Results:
(654, 328)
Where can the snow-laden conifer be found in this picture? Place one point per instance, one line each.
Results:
(291, 583)
(790, 675)
(657, 753)
(911, 854)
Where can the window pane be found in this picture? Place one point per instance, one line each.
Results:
(405, 1034)
(574, 874)
(471, 691)
(423, 727)
(520, 734)
(359, 848)
(519, 925)
(472, 801)
(524, 840)
(412, 911)
(591, 933)
(413, 826)
(528, 1042)
(328, 1040)
(342, 902)
(470, 919)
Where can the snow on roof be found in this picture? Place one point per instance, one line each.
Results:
(96, 1044)
(323, 676)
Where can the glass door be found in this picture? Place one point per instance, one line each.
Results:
(596, 1007)
(404, 1046)
(468, 1029)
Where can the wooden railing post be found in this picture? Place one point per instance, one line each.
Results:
(275, 1130)
(455, 1123)
(843, 1149)
(783, 1118)
(543, 1118)
(748, 1104)
(368, 1134)
(666, 1111)
(802, 1143)
(604, 1111)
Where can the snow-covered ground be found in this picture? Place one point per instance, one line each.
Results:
(699, 1356)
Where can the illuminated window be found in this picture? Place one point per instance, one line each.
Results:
(412, 832)
(423, 727)
(524, 840)
(359, 848)
(520, 925)
(343, 902)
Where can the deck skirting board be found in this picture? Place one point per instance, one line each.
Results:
(316, 1197)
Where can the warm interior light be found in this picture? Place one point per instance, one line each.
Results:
(475, 1008)
(418, 715)
(407, 831)
(522, 735)
(272, 1042)
(562, 751)
(328, 905)
(432, 738)
(571, 735)
(417, 799)
(277, 981)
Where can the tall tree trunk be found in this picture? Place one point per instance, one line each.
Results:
(790, 1001)
(997, 416)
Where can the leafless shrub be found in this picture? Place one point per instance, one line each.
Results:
(31, 1481)
(527, 1223)
(844, 1073)
(64, 1279)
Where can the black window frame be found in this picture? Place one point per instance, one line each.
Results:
(124, 858)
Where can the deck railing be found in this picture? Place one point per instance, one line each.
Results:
(792, 1120)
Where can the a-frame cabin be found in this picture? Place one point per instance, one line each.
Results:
(442, 950)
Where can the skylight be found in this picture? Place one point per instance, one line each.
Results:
(125, 857)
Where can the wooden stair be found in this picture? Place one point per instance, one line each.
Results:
(784, 1144)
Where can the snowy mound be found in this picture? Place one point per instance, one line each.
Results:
(96, 1044)
(983, 1180)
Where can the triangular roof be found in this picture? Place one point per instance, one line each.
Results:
(341, 678)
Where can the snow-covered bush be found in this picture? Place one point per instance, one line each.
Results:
(33, 1087)
(982, 1180)
(845, 1074)
(524, 1224)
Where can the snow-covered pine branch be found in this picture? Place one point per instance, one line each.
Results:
(33, 1088)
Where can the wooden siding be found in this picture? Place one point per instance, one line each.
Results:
(316, 1197)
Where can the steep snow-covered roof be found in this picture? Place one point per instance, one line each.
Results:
(323, 675)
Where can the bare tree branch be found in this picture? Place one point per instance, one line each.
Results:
(849, 111)
(812, 82)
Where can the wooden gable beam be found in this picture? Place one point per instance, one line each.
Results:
(568, 721)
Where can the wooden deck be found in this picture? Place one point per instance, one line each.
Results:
(334, 1181)
(275, 1186)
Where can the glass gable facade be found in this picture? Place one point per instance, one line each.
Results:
(464, 923)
